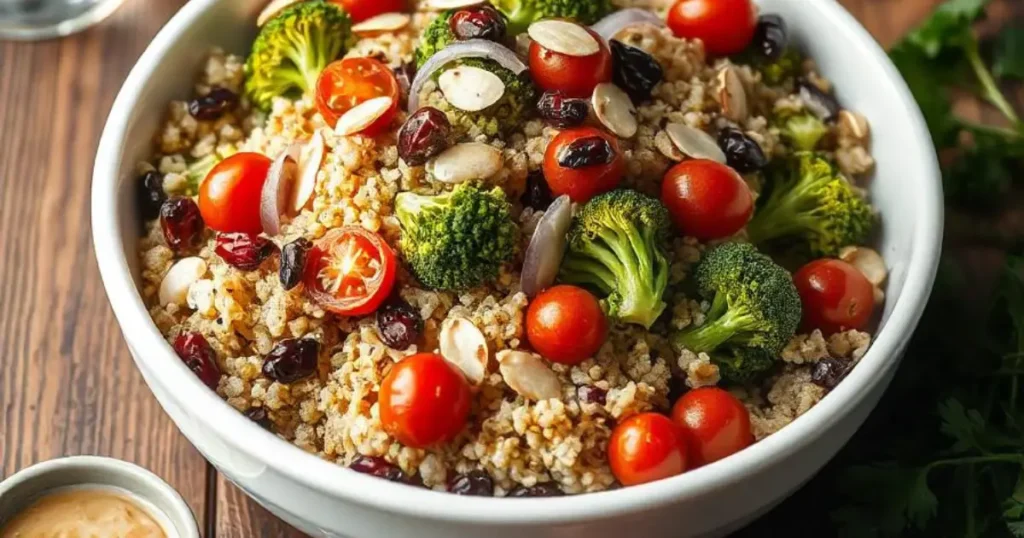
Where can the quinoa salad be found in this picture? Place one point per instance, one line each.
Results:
(519, 248)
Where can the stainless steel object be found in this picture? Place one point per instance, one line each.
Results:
(45, 19)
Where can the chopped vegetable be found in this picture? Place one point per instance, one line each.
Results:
(803, 130)
(350, 271)
(510, 111)
(522, 13)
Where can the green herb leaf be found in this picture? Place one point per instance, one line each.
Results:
(1009, 53)
(949, 26)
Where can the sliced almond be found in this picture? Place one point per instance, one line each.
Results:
(470, 88)
(273, 9)
(174, 287)
(867, 261)
(694, 143)
(528, 375)
(615, 110)
(382, 24)
(310, 158)
(465, 162)
(853, 126)
(731, 94)
(667, 148)
(363, 115)
(444, 5)
(463, 345)
(564, 37)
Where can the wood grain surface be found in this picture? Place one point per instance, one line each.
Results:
(67, 383)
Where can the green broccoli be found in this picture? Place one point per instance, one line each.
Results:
(436, 36)
(616, 245)
(293, 48)
(785, 68)
(803, 130)
(457, 240)
(809, 202)
(518, 102)
(755, 310)
(522, 13)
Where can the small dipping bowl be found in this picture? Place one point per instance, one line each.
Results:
(19, 491)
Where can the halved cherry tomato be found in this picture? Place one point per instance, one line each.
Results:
(835, 296)
(576, 76)
(707, 199)
(647, 447)
(424, 400)
(725, 26)
(596, 164)
(360, 10)
(229, 197)
(565, 324)
(344, 84)
(717, 424)
(350, 271)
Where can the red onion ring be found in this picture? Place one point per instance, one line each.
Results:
(276, 196)
(547, 248)
(472, 48)
(611, 25)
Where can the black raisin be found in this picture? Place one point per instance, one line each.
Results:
(292, 360)
(592, 394)
(538, 193)
(587, 151)
(213, 105)
(542, 489)
(259, 416)
(829, 372)
(399, 324)
(741, 152)
(635, 71)
(379, 467)
(244, 251)
(151, 194)
(474, 483)
(562, 111)
(423, 136)
(822, 104)
(770, 37)
(293, 262)
(478, 22)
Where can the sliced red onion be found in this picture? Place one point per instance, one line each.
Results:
(276, 198)
(547, 247)
(611, 25)
(472, 48)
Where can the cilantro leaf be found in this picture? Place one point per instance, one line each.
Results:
(925, 84)
(1013, 508)
(891, 497)
(949, 26)
(966, 427)
(1009, 53)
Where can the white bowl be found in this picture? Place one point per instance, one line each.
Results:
(324, 499)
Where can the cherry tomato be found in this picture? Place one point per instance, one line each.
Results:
(424, 401)
(565, 324)
(360, 10)
(229, 197)
(576, 76)
(718, 425)
(707, 199)
(347, 83)
(835, 296)
(350, 271)
(598, 165)
(647, 447)
(725, 26)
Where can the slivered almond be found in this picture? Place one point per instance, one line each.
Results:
(528, 375)
(363, 115)
(465, 162)
(444, 5)
(615, 110)
(694, 143)
(853, 127)
(273, 9)
(867, 261)
(175, 285)
(464, 346)
(470, 88)
(564, 37)
(731, 94)
(382, 24)
(311, 156)
(667, 148)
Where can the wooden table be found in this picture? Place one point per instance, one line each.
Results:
(67, 383)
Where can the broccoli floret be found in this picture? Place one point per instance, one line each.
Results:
(293, 48)
(514, 107)
(755, 310)
(435, 37)
(522, 13)
(810, 203)
(456, 240)
(803, 130)
(786, 67)
(616, 245)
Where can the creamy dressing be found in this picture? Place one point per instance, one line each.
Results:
(84, 513)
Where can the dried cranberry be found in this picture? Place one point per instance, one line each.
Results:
(151, 195)
(197, 354)
(822, 104)
(538, 193)
(829, 372)
(213, 105)
(479, 22)
(292, 360)
(770, 37)
(542, 489)
(293, 262)
(592, 394)
(587, 151)
(562, 111)
(474, 483)
(424, 135)
(244, 251)
(259, 416)
(380, 468)
(635, 71)
(182, 224)
(399, 324)
(741, 152)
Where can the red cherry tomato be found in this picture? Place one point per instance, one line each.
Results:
(707, 200)
(583, 182)
(835, 296)
(717, 423)
(229, 197)
(576, 76)
(350, 271)
(344, 84)
(360, 10)
(725, 26)
(424, 401)
(647, 447)
(565, 324)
